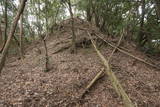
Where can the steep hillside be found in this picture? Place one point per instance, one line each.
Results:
(24, 84)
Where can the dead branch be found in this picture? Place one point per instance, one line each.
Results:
(129, 54)
(101, 72)
(121, 49)
(116, 84)
(92, 82)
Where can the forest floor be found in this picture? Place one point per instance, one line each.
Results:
(23, 83)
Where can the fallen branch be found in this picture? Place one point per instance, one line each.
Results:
(117, 86)
(92, 82)
(129, 54)
(121, 49)
(101, 72)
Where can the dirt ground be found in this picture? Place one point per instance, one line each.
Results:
(24, 84)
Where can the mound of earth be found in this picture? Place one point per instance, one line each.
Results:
(24, 84)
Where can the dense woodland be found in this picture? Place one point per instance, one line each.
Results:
(30, 30)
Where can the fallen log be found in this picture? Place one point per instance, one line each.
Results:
(101, 72)
(116, 84)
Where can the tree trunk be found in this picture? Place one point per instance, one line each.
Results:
(46, 55)
(21, 36)
(46, 16)
(73, 49)
(6, 24)
(88, 11)
(158, 8)
(11, 34)
(102, 28)
(141, 34)
(44, 39)
(1, 40)
(97, 20)
(6, 20)
(38, 19)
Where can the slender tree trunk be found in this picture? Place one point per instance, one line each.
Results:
(11, 34)
(158, 8)
(46, 55)
(73, 49)
(1, 40)
(102, 29)
(6, 23)
(88, 11)
(141, 34)
(55, 18)
(44, 38)
(97, 20)
(6, 20)
(38, 19)
(21, 36)
(46, 16)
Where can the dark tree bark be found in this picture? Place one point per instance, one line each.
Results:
(141, 29)
(73, 48)
(11, 34)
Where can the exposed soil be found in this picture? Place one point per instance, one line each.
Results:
(23, 83)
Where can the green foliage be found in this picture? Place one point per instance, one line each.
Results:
(110, 15)
(119, 14)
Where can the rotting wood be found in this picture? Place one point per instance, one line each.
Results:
(116, 84)
(101, 72)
